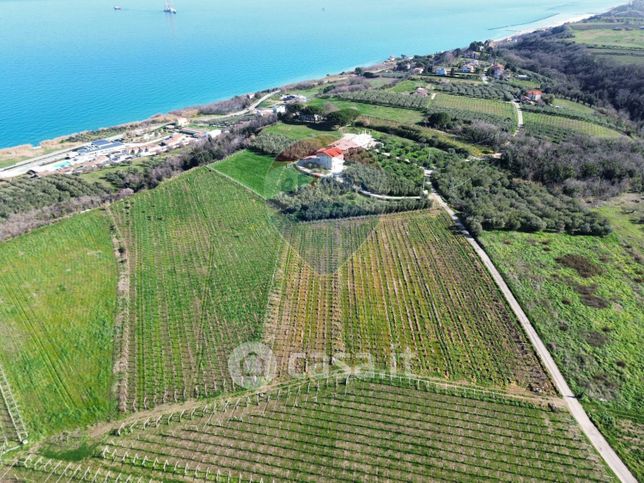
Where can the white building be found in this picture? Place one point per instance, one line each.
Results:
(332, 158)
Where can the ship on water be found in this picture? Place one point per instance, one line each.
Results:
(169, 8)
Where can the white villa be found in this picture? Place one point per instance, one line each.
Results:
(331, 159)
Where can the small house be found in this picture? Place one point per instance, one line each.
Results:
(330, 159)
(534, 95)
(441, 71)
(498, 71)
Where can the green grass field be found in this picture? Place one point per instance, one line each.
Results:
(573, 106)
(404, 116)
(365, 429)
(560, 128)
(262, 173)
(611, 38)
(58, 293)
(201, 252)
(525, 84)
(589, 316)
(409, 86)
(302, 131)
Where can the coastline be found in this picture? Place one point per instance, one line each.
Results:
(535, 26)
(554, 22)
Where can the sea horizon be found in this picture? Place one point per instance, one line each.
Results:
(101, 92)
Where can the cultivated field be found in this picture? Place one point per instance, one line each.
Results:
(469, 108)
(403, 282)
(201, 252)
(12, 429)
(559, 128)
(58, 293)
(333, 429)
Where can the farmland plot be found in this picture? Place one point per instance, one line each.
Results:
(471, 109)
(368, 429)
(304, 312)
(58, 302)
(8, 434)
(202, 253)
(560, 128)
(406, 283)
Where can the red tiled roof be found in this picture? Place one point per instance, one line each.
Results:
(331, 152)
(535, 93)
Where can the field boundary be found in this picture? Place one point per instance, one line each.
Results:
(12, 409)
(211, 167)
(576, 409)
(122, 319)
(303, 387)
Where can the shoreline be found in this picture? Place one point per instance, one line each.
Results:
(536, 27)
(550, 24)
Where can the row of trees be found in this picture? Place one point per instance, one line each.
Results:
(331, 198)
(271, 143)
(497, 90)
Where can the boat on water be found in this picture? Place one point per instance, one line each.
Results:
(169, 8)
(117, 7)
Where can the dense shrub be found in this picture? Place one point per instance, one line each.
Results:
(393, 179)
(26, 194)
(584, 166)
(489, 198)
(301, 149)
(269, 143)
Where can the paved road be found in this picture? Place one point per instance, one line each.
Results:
(250, 108)
(577, 410)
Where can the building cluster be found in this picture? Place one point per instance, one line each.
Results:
(104, 152)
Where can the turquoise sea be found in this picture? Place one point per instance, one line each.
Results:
(70, 65)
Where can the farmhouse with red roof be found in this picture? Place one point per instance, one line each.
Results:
(331, 159)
